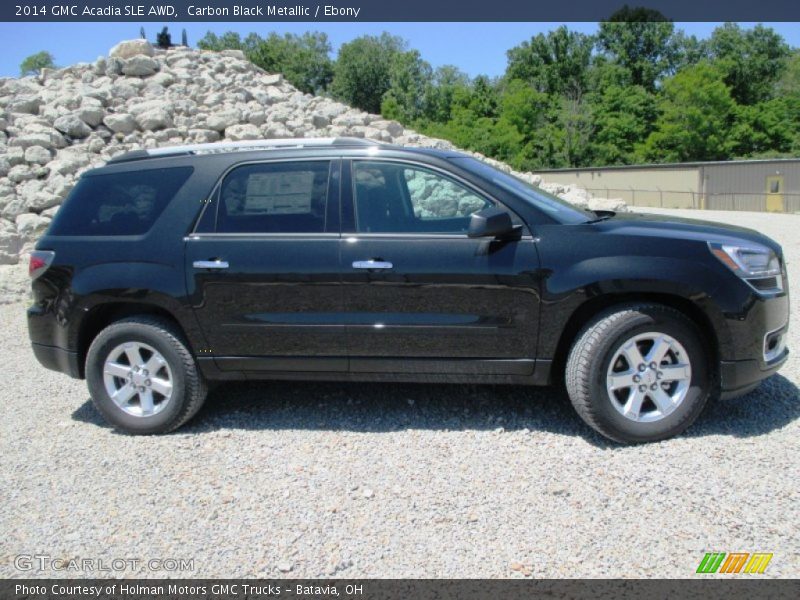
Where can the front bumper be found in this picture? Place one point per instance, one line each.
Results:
(741, 376)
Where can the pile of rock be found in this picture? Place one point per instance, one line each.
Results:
(63, 122)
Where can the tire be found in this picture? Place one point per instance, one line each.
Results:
(617, 335)
(159, 345)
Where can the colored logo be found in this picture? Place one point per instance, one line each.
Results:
(734, 562)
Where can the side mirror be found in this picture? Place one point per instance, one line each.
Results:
(491, 222)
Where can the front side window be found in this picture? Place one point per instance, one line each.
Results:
(395, 197)
(125, 203)
(280, 197)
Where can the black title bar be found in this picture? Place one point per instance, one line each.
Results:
(390, 10)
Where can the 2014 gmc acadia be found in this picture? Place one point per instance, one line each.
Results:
(344, 259)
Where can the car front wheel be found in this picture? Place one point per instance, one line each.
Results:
(639, 373)
(142, 377)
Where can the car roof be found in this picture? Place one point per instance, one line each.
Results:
(285, 146)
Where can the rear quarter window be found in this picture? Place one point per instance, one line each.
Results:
(119, 203)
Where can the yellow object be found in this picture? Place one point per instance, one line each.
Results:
(775, 193)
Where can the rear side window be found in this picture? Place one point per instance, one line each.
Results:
(280, 197)
(119, 203)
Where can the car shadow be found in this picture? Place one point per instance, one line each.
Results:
(382, 407)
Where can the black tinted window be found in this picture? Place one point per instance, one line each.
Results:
(281, 197)
(395, 197)
(120, 203)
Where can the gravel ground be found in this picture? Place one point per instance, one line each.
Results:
(356, 480)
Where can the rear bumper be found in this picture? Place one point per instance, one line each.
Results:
(58, 359)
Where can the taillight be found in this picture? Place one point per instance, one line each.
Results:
(39, 261)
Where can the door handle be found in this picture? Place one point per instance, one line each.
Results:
(372, 264)
(210, 264)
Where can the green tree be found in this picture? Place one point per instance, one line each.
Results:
(752, 60)
(445, 83)
(164, 38)
(623, 117)
(34, 63)
(689, 50)
(642, 41)
(409, 78)
(696, 113)
(484, 97)
(765, 129)
(789, 83)
(362, 73)
(553, 63)
(303, 59)
(229, 40)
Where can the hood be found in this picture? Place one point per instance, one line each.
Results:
(666, 226)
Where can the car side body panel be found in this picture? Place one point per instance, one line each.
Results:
(451, 310)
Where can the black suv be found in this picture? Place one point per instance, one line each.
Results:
(344, 259)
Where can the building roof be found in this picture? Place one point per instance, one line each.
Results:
(686, 165)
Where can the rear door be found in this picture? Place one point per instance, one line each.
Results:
(422, 297)
(263, 268)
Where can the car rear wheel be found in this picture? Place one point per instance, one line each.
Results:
(142, 376)
(639, 373)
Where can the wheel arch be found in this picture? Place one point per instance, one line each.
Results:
(102, 315)
(594, 306)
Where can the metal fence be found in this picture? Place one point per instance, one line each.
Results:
(751, 201)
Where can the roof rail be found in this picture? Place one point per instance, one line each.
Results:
(243, 146)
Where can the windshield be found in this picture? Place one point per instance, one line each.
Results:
(559, 209)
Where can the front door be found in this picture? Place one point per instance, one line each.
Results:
(775, 194)
(263, 269)
(422, 297)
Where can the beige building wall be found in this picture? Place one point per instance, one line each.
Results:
(664, 187)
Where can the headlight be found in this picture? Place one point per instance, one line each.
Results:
(758, 265)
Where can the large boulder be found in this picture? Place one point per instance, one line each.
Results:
(31, 226)
(154, 119)
(130, 48)
(120, 123)
(25, 104)
(72, 126)
(37, 155)
(139, 66)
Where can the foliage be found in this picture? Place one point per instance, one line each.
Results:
(363, 70)
(643, 42)
(624, 116)
(639, 90)
(697, 112)
(34, 63)
(553, 63)
(752, 60)
(409, 78)
(164, 39)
